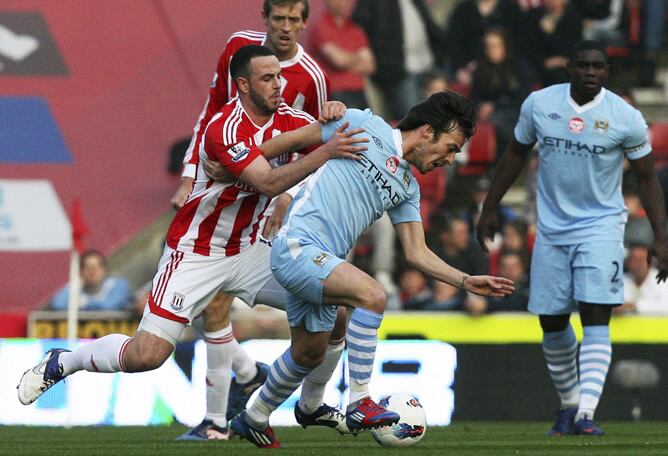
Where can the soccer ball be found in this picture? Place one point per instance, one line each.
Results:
(412, 425)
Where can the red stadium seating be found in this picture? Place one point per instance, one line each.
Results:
(482, 151)
(658, 135)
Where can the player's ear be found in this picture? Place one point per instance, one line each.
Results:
(243, 84)
(428, 132)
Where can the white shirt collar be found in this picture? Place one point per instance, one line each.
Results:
(587, 106)
(292, 61)
(398, 142)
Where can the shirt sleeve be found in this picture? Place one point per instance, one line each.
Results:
(235, 151)
(117, 297)
(60, 300)
(525, 130)
(636, 144)
(407, 211)
(354, 117)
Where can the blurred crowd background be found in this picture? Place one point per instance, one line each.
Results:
(388, 55)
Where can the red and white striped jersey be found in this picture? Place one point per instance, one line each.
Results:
(304, 86)
(223, 218)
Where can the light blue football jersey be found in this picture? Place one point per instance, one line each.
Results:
(344, 197)
(580, 150)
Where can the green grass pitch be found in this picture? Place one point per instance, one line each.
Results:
(465, 439)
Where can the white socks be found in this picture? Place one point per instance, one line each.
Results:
(313, 387)
(102, 355)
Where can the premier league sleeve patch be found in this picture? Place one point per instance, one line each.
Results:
(239, 152)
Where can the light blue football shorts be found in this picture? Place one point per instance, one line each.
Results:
(301, 267)
(563, 275)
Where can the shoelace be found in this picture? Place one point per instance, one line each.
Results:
(371, 406)
(46, 384)
(333, 412)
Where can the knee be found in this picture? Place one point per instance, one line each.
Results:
(309, 358)
(217, 312)
(146, 353)
(145, 361)
(595, 314)
(554, 323)
(374, 299)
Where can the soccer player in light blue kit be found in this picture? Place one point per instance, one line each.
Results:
(332, 209)
(583, 132)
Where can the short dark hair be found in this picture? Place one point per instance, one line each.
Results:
(268, 4)
(240, 63)
(92, 253)
(587, 45)
(444, 112)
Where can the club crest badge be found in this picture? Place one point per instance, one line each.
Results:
(177, 301)
(601, 127)
(321, 258)
(392, 164)
(576, 125)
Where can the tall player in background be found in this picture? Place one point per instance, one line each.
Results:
(584, 133)
(304, 86)
(213, 242)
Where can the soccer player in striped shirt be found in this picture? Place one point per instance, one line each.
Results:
(304, 86)
(213, 242)
(584, 132)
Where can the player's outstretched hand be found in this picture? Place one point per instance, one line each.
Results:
(483, 285)
(486, 227)
(332, 110)
(275, 220)
(181, 195)
(215, 171)
(660, 252)
(344, 144)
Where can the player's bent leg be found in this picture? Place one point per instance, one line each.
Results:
(595, 356)
(560, 351)
(285, 376)
(311, 410)
(348, 285)
(112, 353)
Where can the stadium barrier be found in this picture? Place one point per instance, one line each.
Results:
(176, 391)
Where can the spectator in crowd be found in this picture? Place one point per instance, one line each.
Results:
(406, 43)
(663, 179)
(175, 156)
(480, 189)
(470, 20)
(602, 20)
(501, 81)
(457, 248)
(553, 30)
(414, 291)
(343, 50)
(433, 82)
(638, 229)
(433, 185)
(513, 266)
(99, 291)
(642, 294)
(515, 238)
(447, 297)
(654, 23)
